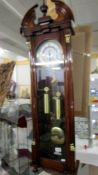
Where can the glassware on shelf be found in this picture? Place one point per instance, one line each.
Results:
(93, 123)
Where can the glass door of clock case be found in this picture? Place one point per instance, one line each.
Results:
(50, 96)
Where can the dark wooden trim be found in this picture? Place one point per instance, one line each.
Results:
(53, 164)
(49, 29)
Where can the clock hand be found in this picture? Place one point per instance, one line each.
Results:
(49, 55)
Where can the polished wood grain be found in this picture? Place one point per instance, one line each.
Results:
(59, 29)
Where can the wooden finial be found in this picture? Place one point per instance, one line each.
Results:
(44, 8)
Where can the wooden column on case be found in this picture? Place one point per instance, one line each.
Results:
(93, 170)
(81, 44)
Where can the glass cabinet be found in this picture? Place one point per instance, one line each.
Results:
(93, 102)
(93, 122)
(15, 119)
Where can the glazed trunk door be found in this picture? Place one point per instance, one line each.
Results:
(51, 115)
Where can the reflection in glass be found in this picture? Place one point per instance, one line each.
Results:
(50, 90)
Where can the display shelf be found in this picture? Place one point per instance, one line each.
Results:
(16, 137)
(93, 102)
(93, 92)
(81, 127)
(15, 117)
(93, 119)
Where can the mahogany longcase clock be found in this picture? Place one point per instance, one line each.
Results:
(51, 87)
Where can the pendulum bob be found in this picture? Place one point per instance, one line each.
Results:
(57, 136)
(46, 101)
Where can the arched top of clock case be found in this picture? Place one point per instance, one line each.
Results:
(54, 46)
(45, 24)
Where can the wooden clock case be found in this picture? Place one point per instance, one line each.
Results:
(60, 30)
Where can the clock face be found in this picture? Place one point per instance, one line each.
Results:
(50, 52)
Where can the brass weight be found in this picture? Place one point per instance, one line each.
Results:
(46, 100)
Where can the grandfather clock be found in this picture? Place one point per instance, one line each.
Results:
(51, 62)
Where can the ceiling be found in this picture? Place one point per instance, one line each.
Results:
(12, 12)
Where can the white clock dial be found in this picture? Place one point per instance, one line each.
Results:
(50, 52)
